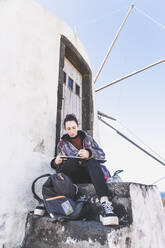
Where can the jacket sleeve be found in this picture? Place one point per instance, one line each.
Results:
(91, 145)
(52, 162)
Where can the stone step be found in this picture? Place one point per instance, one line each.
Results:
(142, 222)
(120, 199)
(42, 233)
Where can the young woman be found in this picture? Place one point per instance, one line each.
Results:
(79, 143)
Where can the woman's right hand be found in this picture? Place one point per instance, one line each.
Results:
(58, 160)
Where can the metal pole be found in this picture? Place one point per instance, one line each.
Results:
(157, 181)
(105, 115)
(131, 141)
(129, 75)
(113, 43)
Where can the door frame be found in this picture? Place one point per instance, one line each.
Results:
(72, 54)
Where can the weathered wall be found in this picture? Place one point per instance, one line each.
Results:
(29, 61)
(148, 229)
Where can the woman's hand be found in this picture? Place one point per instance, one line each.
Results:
(83, 153)
(58, 160)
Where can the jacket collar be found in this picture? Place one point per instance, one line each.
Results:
(81, 133)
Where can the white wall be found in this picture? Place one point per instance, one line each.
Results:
(148, 228)
(29, 61)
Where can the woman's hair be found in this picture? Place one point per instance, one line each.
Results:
(70, 117)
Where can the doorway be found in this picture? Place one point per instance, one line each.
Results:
(72, 93)
(75, 91)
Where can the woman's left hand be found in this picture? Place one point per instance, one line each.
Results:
(83, 153)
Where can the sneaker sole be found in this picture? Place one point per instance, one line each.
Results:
(109, 221)
(39, 212)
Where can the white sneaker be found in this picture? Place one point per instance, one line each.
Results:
(39, 210)
(107, 216)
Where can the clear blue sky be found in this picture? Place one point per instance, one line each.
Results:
(138, 102)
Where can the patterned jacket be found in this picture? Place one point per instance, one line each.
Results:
(66, 148)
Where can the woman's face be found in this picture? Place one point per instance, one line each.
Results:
(71, 128)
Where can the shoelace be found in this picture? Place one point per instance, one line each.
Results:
(108, 207)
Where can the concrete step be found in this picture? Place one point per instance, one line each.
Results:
(42, 233)
(120, 199)
(142, 222)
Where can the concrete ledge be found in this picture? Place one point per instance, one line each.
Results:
(41, 233)
(120, 199)
(142, 222)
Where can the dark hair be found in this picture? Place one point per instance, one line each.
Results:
(70, 117)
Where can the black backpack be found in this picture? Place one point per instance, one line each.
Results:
(60, 198)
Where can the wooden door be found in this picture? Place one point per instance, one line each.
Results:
(72, 93)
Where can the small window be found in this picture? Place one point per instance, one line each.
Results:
(70, 83)
(77, 90)
(64, 77)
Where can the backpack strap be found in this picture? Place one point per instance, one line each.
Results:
(33, 187)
